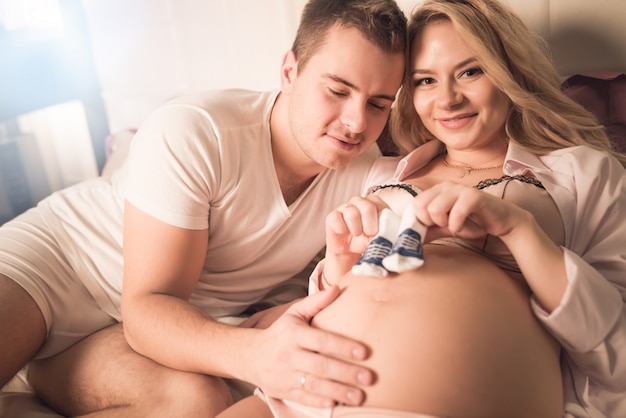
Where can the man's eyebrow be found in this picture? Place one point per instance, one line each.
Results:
(355, 88)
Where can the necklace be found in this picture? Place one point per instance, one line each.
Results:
(467, 170)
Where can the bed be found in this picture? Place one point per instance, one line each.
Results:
(586, 38)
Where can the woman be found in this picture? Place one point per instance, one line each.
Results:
(517, 309)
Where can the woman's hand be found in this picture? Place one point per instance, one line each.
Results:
(455, 209)
(351, 226)
(465, 212)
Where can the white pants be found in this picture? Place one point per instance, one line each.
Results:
(30, 255)
(288, 409)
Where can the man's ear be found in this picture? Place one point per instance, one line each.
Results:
(288, 72)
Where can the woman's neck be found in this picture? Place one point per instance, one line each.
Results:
(475, 159)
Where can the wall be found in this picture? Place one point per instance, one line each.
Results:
(147, 51)
(50, 103)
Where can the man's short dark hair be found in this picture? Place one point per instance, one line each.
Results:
(382, 22)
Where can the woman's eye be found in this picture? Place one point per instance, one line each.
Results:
(423, 81)
(472, 72)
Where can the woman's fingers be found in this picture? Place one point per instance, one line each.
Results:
(465, 211)
(350, 226)
(432, 206)
(361, 216)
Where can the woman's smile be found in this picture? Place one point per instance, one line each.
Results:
(457, 122)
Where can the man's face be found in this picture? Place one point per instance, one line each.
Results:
(340, 101)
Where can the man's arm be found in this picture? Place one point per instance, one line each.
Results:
(162, 264)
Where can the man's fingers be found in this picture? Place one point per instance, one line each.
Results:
(309, 306)
(323, 393)
(338, 370)
(327, 361)
(320, 341)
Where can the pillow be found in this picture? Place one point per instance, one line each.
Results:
(604, 95)
(117, 146)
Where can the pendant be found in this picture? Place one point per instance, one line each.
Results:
(466, 172)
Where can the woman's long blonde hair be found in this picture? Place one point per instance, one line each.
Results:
(542, 118)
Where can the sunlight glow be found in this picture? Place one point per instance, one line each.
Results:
(30, 14)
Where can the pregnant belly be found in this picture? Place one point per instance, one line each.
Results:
(455, 338)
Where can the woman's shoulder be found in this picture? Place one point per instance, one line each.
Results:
(582, 159)
(596, 177)
(386, 164)
(382, 171)
(573, 171)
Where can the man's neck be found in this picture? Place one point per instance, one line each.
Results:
(294, 170)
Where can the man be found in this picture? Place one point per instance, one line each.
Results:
(222, 198)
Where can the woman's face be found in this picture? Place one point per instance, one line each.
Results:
(454, 99)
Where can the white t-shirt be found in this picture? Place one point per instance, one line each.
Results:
(205, 161)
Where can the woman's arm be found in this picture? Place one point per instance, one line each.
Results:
(590, 322)
(576, 292)
(463, 211)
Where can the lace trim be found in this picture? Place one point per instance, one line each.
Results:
(404, 186)
(491, 182)
(481, 185)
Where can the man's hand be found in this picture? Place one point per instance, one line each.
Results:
(298, 362)
(263, 319)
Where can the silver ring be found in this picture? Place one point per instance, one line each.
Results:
(303, 381)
